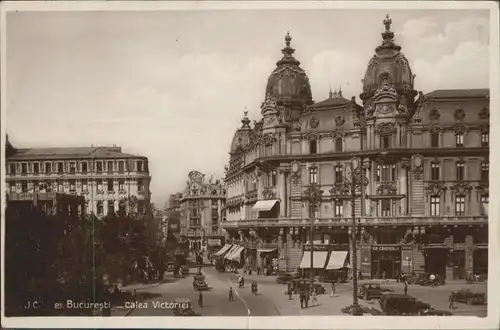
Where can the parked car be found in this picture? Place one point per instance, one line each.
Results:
(369, 291)
(469, 297)
(400, 304)
(287, 278)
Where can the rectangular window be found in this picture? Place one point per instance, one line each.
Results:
(435, 205)
(139, 166)
(273, 178)
(24, 186)
(36, 168)
(434, 140)
(121, 167)
(485, 171)
(485, 139)
(99, 185)
(85, 185)
(60, 168)
(313, 147)
(338, 173)
(386, 207)
(460, 170)
(72, 168)
(24, 168)
(84, 167)
(139, 185)
(12, 168)
(110, 185)
(98, 167)
(377, 174)
(459, 205)
(484, 204)
(385, 141)
(313, 175)
(110, 166)
(435, 171)
(48, 168)
(338, 145)
(339, 209)
(386, 173)
(459, 139)
(72, 185)
(121, 184)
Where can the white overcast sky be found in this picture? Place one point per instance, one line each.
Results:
(173, 86)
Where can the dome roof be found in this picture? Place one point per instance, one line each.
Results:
(241, 137)
(288, 84)
(388, 66)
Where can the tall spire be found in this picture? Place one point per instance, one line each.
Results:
(340, 91)
(288, 52)
(331, 93)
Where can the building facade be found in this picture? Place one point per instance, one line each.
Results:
(107, 178)
(201, 209)
(424, 163)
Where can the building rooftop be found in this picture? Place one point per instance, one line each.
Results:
(458, 93)
(70, 153)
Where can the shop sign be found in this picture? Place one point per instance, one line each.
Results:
(385, 248)
(213, 241)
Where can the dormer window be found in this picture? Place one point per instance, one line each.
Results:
(385, 141)
(313, 147)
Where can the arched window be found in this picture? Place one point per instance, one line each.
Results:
(313, 147)
(100, 208)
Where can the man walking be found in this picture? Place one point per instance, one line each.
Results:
(200, 299)
(231, 296)
(332, 294)
(451, 299)
(302, 299)
(406, 288)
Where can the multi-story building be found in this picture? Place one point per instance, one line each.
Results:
(109, 179)
(202, 208)
(424, 159)
(174, 202)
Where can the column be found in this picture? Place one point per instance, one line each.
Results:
(469, 255)
(260, 185)
(402, 188)
(368, 192)
(282, 193)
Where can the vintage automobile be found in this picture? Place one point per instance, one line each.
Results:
(400, 304)
(287, 278)
(425, 280)
(183, 307)
(369, 291)
(185, 269)
(199, 282)
(469, 297)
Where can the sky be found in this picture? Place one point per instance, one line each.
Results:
(173, 85)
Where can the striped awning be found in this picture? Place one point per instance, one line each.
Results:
(266, 205)
(230, 252)
(236, 255)
(319, 259)
(223, 250)
(338, 259)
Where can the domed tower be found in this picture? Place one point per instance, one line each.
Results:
(388, 95)
(288, 85)
(241, 137)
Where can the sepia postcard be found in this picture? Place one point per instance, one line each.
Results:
(250, 165)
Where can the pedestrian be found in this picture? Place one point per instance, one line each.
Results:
(242, 281)
(314, 298)
(360, 276)
(200, 299)
(307, 297)
(250, 271)
(231, 296)
(451, 299)
(432, 279)
(332, 294)
(406, 288)
(258, 270)
(255, 287)
(302, 299)
(239, 281)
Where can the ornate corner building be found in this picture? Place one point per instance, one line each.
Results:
(201, 206)
(425, 203)
(108, 179)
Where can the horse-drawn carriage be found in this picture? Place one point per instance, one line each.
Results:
(199, 282)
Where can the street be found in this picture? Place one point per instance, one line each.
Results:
(271, 299)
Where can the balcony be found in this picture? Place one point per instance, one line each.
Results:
(365, 221)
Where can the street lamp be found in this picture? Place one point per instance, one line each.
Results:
(312, 195)
(357, 180)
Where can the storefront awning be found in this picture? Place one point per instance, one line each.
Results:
(236, 255)
(267, 250)
(230, 253)
(319, 259)
(224, 249)
(264, 205)
(337, 260)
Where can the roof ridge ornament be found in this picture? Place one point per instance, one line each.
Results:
(288, 52)
(388, 37)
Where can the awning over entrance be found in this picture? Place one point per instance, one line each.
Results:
(319, 259)
(264, 205)
(337, 260)
(267, 250)
(224, 249)
(236, 254)
(233, 248)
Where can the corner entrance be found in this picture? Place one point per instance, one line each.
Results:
(435, 261)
